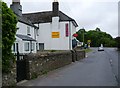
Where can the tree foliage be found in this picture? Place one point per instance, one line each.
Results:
(97, 38)
(117, 39)
(9, 22)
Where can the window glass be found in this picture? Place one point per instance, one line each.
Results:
(26, 46)
(28, 30)
(33, 46)
(13, 47)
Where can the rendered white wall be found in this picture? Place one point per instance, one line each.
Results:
(62, 43)
(45, 34)
(23, 29)
(55, 42)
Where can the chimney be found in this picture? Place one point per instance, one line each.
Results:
(55, 8)
(16, 1)
(16, 7)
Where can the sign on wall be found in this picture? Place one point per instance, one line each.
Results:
(66, 30)
(55, 34)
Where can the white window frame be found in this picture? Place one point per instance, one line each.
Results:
(27, 46)
(14, 47)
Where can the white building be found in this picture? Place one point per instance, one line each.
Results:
(26, 32)
(50, 30)
(56, 29)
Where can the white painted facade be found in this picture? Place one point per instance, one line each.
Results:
(61, 43)
(23, 30)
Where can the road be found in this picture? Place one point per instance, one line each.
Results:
(97, 69)
(113, 57)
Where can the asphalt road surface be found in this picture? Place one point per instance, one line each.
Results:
(113, 57)
(97, 69)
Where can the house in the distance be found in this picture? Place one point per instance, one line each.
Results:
(56, 29)
(26, 37)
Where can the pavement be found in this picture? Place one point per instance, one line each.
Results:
(94, 70)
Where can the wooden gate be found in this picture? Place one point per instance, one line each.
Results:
(21, 67)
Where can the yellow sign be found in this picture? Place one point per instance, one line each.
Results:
(55, 34)
(89, 41)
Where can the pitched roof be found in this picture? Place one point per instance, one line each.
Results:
(25, 21)
(44, 17)
(25, 37)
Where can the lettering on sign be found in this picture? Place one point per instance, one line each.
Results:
(55, 34)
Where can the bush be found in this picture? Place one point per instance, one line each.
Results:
(9, 22)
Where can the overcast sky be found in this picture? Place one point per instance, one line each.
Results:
(89, 14)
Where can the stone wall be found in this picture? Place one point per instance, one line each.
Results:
(9, 79)
(42, 63)
(80, 54)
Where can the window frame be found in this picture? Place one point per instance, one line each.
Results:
(27, 47)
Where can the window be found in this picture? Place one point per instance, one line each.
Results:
(33, 46)
(28, 30)
(26, 46)
(15, 47)
(41, 46)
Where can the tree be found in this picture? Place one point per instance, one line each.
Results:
(9, 22)
(97, 38)
(117, 39)
(98, 29)
(81, 35)
(0, 27)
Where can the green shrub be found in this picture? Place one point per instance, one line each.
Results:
(9, 22)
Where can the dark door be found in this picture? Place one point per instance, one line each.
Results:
(21, 68)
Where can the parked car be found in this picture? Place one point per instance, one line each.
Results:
(101, 48)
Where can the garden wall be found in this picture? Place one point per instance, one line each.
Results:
(43, 62)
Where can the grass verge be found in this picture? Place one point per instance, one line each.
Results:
(87, 50)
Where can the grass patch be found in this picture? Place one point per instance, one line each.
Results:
(87, 50)
(44, 72)
(34, 75)
(53, 51)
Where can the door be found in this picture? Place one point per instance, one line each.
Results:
(21, 68)
(41, 46)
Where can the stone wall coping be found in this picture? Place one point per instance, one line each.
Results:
(42, 54)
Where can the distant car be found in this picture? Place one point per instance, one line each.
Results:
(100, 49)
